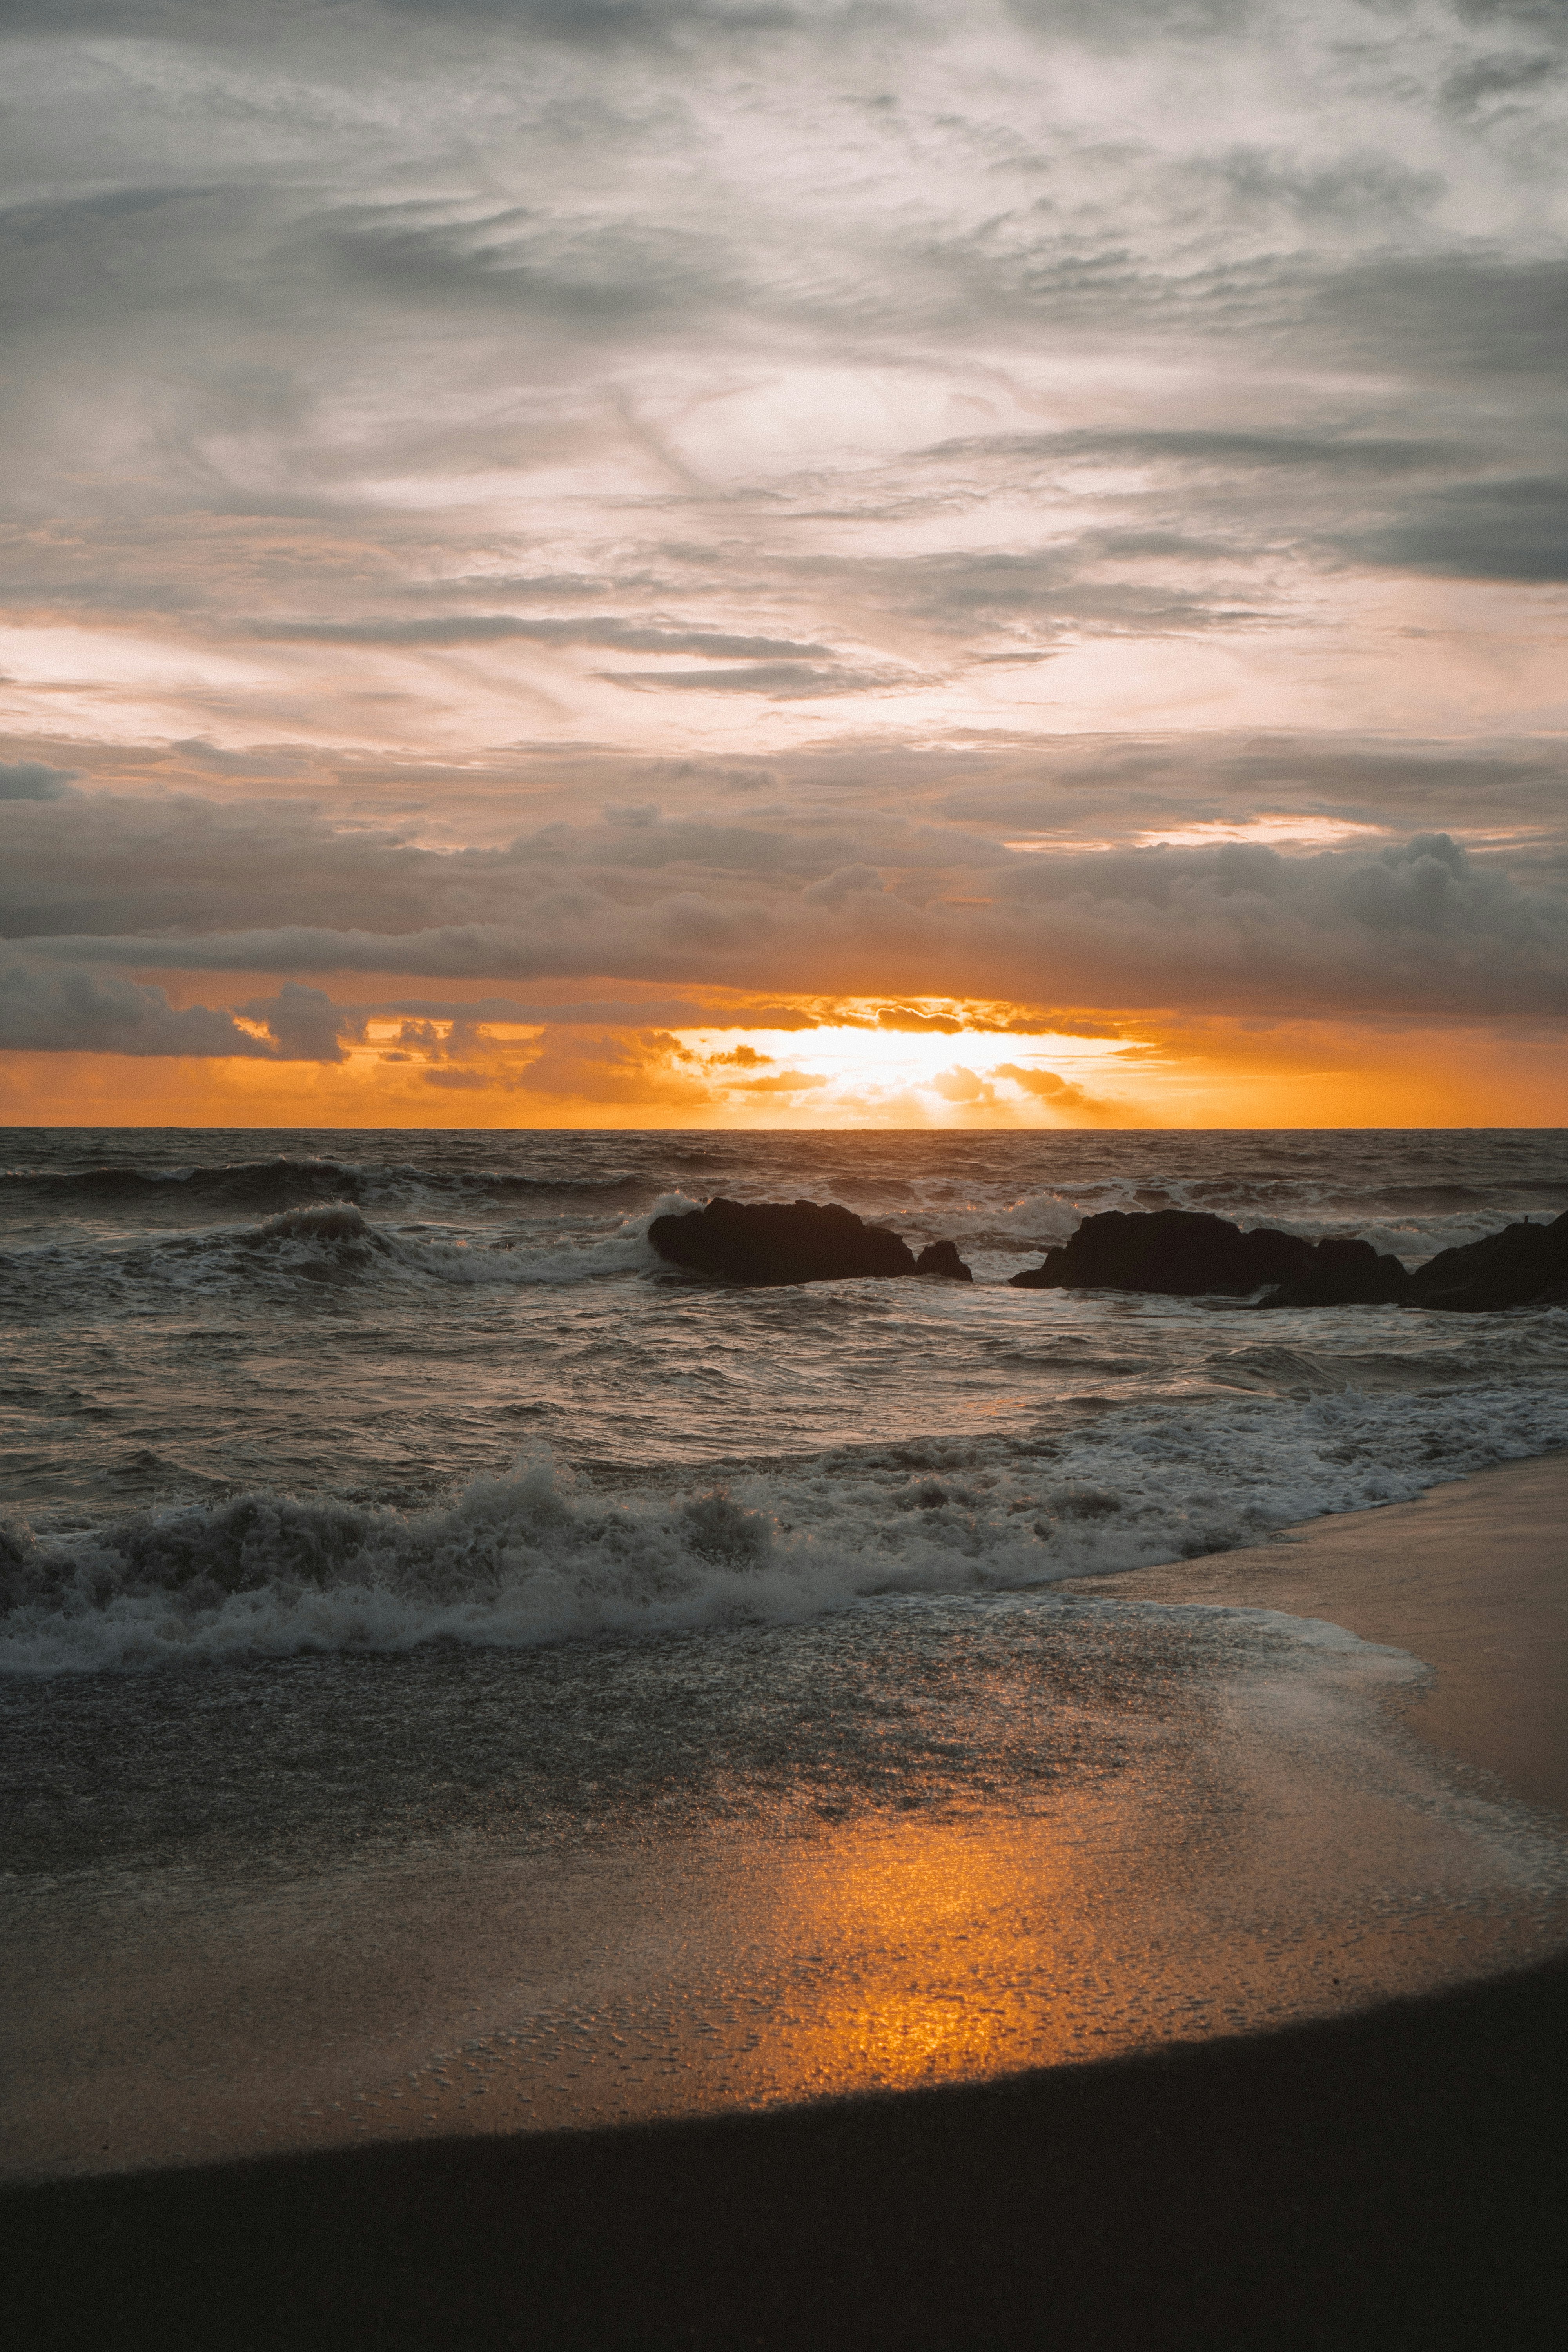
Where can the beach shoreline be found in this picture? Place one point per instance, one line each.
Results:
(1186, 1804)
(1387, 2177)
(1385, 2181)
(1406, 1575)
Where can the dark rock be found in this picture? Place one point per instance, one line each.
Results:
(779, 1240)
(942, 1257)
(1179, 1253)
(1524, 1264)
(1343, 1274)
(1043, 1276)
(1176, 1252)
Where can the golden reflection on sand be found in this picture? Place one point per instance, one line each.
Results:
(942, 1951)
(1301, 1858)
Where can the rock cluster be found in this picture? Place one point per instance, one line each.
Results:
(792, 1241)
(1343, 1274)
(1523, 1266)
(1180, 1254)
(1173, 1252)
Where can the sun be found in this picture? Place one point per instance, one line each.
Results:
(922, 1063)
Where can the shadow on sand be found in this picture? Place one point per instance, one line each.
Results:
(1389, 2180)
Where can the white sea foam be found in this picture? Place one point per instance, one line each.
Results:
(360, 1317)
(536, 1556)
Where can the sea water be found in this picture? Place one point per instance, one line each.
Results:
(427, 1613)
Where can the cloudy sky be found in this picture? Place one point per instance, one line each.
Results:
(608, 562)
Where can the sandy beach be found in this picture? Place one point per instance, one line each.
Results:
(1388, 2176)
(1472, 1579)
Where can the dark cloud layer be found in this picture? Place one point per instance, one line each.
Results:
(487, 628)
(54, 1011)
(31, 779)
(1480, 531)
(1418, 926)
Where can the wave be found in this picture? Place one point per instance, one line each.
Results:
(329, 1243)
(1312, 1372)
(994, 1198)
(533, 1557)
(333, 1245)
(285, 1183)
(258, 1183)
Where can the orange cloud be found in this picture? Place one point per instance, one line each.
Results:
(845, 1072)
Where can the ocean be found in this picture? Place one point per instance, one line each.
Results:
(433, 1625)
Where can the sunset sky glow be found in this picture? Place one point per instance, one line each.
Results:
(662, 563)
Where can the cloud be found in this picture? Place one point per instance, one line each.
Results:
(744, 1057)
(1502, 75)
(603, 23)
(1122, 785)
(92, 860)
(847, 882)
(782, 1082)
(1454, 315)
(1420, 926)
(947, 429)
(81, 1012)
(1356, 454)
(646, 1069)
(967, 1090)
(1480, 531)
(1047, 1087)
(30, 780)
(486, 628)
(304, 1023)
(779, 680)
(1544, 14)
(668, 1012)
(1120, 22)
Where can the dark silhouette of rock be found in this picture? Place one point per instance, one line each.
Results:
(1181, 1254)
(1343, 1274)
(1037, 1278)
(1176, 1252)
(1173, 1252)
(785, 1241)
(942, 1257)
(1523, 1266)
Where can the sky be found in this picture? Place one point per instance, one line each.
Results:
(765, 562)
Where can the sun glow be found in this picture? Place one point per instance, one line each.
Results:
(937, 1074)
(1264, 833)
(938, 1064)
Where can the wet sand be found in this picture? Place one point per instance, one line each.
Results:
(1472, 1579)
(1393, 2178)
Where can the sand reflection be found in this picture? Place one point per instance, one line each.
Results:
(940, 1949)
(1278, 1853)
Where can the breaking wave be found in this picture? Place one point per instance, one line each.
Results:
(327, 1242)
(973, 1195)
(535, 1556)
